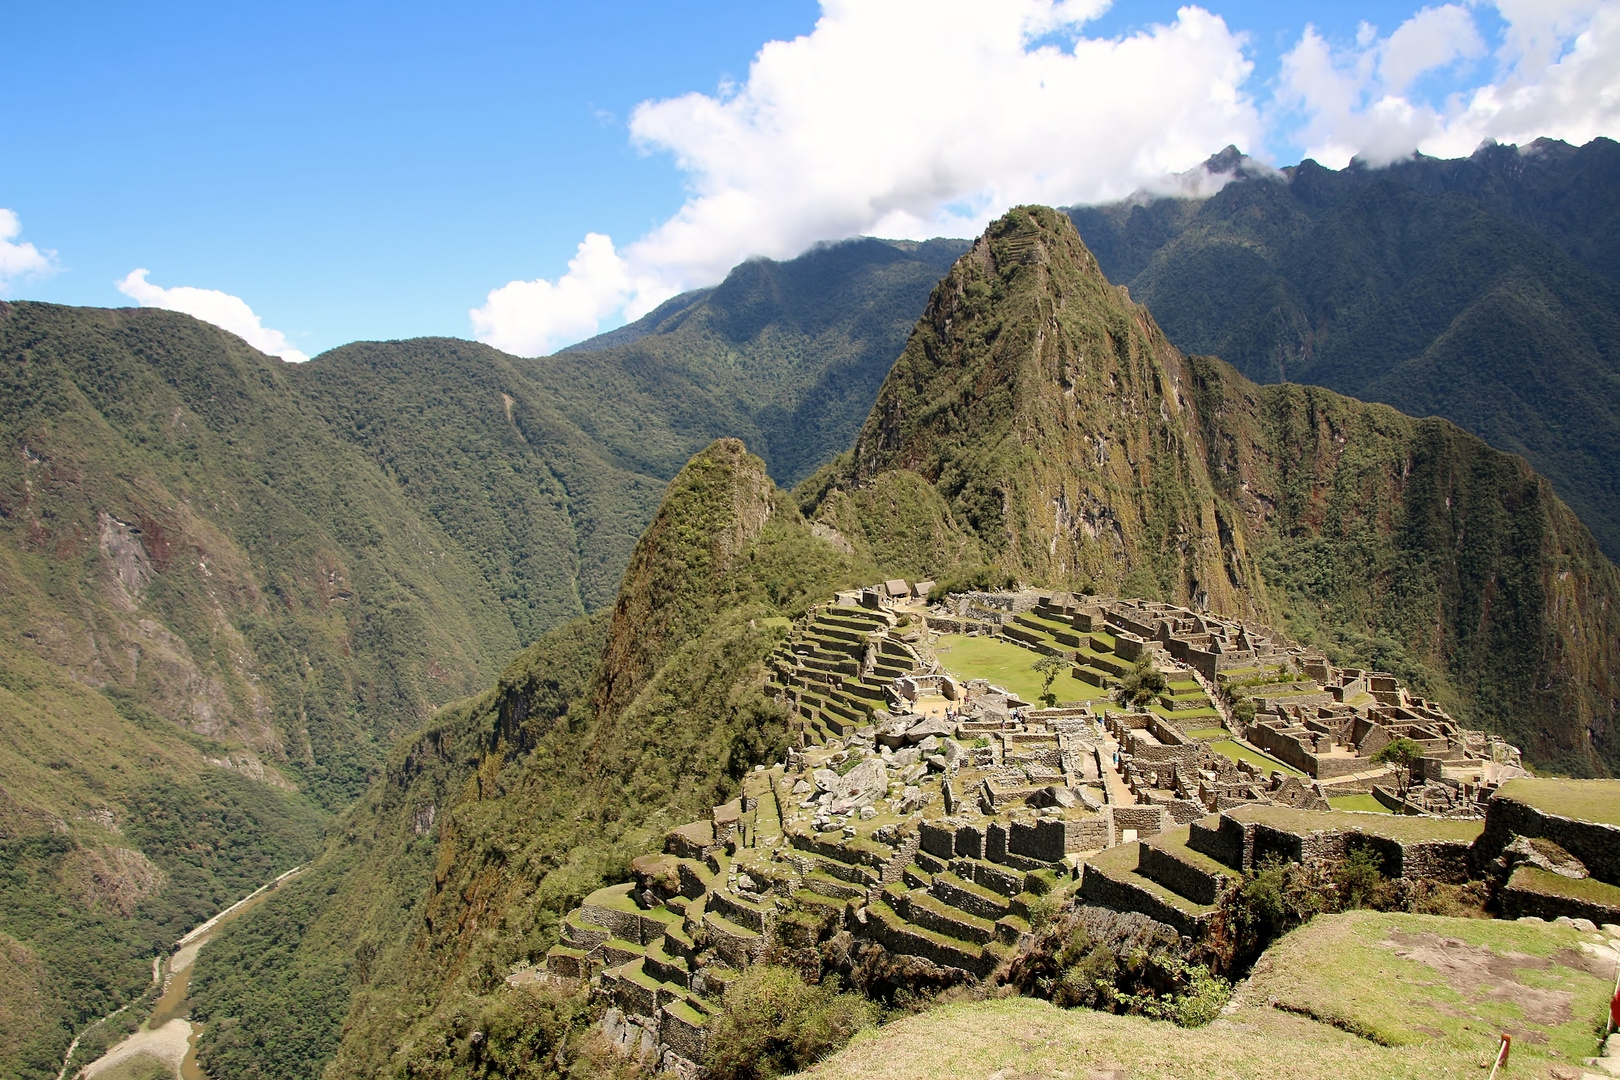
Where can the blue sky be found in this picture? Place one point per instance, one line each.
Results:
(355, 171)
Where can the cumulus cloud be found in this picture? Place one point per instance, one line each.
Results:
(532, 316)
(210, 305)
(19, 259)
(1556, 74)
(902, 118)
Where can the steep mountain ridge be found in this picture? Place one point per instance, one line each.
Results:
(515, 804)
(1029, 381)
(1483, 289)
(1076, 447)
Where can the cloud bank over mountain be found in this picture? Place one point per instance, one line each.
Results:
(225, 311)
(915, 118)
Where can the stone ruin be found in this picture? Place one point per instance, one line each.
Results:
(927, 814)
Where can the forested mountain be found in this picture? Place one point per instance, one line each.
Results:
(1485, 290)
(1051, 424)
(228, 584)
(1038, 422)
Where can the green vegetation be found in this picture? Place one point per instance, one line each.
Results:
(1006, 665)
(1120, 963)
(513, 806)
(281, 569)
(1049, 667)
(1589, 800)
(1402, 754)
(774, 1023)
(1360, 996)
(1421, 982)
(1364, 803)
(1238, 752)
(1142, 684)
(1432, 285)
(970, 579)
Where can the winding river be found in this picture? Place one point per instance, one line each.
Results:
(168, 1033)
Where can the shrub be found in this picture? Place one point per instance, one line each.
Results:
(1120, 962)
(774, 1022)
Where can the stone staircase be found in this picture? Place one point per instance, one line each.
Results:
(833, 668)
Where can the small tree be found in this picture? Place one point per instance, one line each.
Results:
(1049, 667)
(1402, 753)
(1141, 684)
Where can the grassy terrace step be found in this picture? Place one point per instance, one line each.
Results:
(857, 614)
(828, 885)
(1534, 891)
(1406, 830)
(1584, 800)
(737, 945)
(820, 903)
(865, 691)
(1110, 879)
(828, 645)
(579, 932)
(931, 913)
(900, 936)
(1167, 860)
(843, 622)
(756, 917)
(836, 704)
(567, 961)
(1111, 666)
(616, 951)
(969, 896)
(860, 877)
(841, 665)
(665, 966)
(828, 629)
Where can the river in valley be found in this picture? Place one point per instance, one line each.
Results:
(168, 1034)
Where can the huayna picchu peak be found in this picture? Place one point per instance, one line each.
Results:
(1059, 437)
(1091, 675)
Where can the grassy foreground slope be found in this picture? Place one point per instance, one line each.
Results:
(1041, 421)
(1483, 289)
(1347, 996)
(515, 804)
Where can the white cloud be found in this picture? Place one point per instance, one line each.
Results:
(1557, 75)
(904, 118)
(210, 305)
(19, 260)
(532, 317)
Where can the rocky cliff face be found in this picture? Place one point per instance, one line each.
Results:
(1073, 446)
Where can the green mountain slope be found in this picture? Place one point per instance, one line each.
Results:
(513, 805)
(1037, 420)
(786, 356)
(1485, 290)
(214, 617)
(228, 584)
(1062, 434)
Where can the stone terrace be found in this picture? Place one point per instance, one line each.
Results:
(928, 812)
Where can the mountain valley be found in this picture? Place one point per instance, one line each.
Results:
(470, 634)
